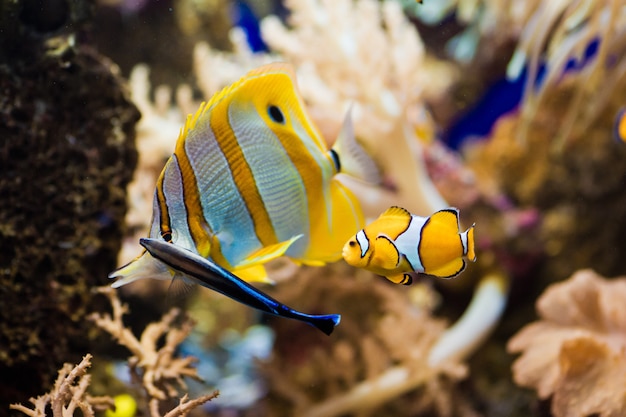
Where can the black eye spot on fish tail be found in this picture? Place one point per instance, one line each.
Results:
(276, 114)
(336, 161)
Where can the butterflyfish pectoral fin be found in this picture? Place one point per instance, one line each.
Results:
(386, 255)
(254, 273)
(267, 253)
(350, 158)
(449, 270)
(179, 289)
(403, 279)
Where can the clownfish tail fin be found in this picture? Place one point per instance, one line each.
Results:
(468, 244)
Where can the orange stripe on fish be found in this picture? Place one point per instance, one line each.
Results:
(242, 175)
(399, 243)
(197, 224)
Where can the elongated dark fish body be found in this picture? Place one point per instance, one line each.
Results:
(212, 276)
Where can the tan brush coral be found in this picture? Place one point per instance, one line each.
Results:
(157, 367)
(379, 353)
(576, 352)
(68, 394)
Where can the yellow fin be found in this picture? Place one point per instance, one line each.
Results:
(395, 211)
(471, 254)
(267, 253)
(254, 273)
(449, 218)
(404, 279)
(449, 270)
(386, 255)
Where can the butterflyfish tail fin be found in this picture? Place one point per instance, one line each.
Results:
(468, 244)
(350, 158)
(448, 218)
(449, 270)
(144, 266)
(267, 253)
(386, 255)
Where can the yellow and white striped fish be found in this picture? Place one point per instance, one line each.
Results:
(399, 243)
(251, 179)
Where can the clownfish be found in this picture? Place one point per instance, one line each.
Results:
(251, 179)
(399, 243)
(619, 130)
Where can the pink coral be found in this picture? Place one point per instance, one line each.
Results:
(576, 351)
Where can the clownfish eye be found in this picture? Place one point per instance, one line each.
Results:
(352, 243)
(276, 114)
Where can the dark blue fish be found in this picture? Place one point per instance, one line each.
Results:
(210, 275)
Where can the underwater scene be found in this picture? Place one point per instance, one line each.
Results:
(312, 208)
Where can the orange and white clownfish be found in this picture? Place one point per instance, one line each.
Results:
(252, 179)
(398, 244)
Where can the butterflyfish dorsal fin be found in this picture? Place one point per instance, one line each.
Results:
(449, 270)
(398, 212)
(350, 158)
(386, 255)
(447, 218)
(273, 68)
(267, 253)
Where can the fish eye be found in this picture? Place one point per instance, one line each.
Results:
(276, 114)
(167, 236)
(352, 243)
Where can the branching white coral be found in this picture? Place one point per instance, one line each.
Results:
(559, 33)
(575, 352)
(158, 369)
(68, 394)
(367, 55)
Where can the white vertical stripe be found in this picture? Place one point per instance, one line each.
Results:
(408, 242)
(222, 205)
(277, 179)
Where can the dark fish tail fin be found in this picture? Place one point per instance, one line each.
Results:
(325, 323)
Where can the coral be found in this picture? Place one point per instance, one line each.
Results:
(553, 34)
(155, 365)
(157, 368)
(575, 192)
(68, 394)
(377, 362)
(575, 352)
(67, 154)
(373, 62)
